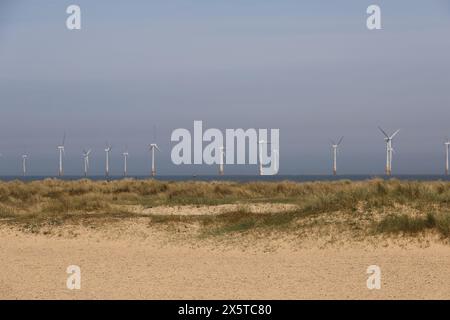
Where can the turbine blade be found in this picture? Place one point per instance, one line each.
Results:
(395, 133)
(387, 136)
(63, 139)
(340, 140)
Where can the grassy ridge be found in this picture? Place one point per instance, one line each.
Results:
(390, 206)
(153, 192)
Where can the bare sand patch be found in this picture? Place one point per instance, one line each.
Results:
(201, 210)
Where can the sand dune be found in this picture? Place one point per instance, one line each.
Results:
(223, 240)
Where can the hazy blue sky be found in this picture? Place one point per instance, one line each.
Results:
(310, 68)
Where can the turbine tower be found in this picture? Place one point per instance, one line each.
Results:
(24, 164)
(108, 151)
(152, 148)
(447, 147)
(389, 150)
(125, 163)
(61, 152)
(335, 149)
(260, 166)
(86, 161)
(221, 162)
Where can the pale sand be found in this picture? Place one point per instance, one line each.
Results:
(134, 261)
(191, 210)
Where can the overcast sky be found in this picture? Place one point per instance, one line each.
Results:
(310, 68)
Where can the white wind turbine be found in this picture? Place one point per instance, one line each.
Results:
(222, 160)
(125, 163)
(61, 153)
(152, 148)
(108, 151)
(260, 166)
(447, 147)
(335, 146)
(24, 164)
(389, 150)
(86, 161)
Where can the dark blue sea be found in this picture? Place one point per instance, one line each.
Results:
(244, 178)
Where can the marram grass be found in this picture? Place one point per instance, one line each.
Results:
(389, 207)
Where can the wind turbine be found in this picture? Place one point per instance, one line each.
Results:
(335, 148)
(86, 161)
(24, 164)
(389, 149)
(125, 164)
(108, 151)
(260, 166)
(221, 163)
(152, 148)
(61, 153)
(447, 147)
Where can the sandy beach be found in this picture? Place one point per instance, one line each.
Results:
(144, 267)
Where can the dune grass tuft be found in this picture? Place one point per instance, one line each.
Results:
(413, 225)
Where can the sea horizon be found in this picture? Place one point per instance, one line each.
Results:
(237, 178)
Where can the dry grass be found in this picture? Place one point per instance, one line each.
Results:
(377, 205)
(413, 225)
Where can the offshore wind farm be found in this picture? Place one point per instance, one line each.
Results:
(263, 146)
